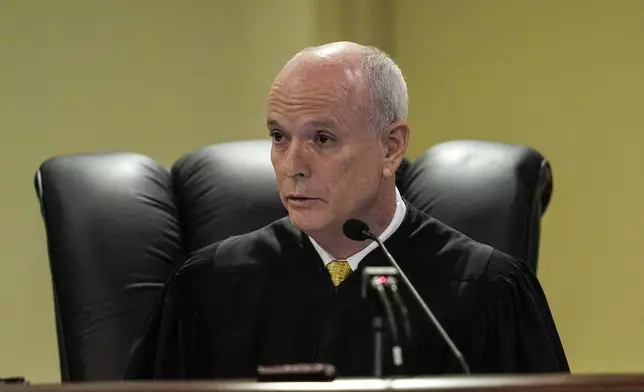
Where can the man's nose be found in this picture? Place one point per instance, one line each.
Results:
(295, 160)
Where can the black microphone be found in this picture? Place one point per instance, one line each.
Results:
(358, 230)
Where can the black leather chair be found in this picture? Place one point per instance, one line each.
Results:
(118, 224)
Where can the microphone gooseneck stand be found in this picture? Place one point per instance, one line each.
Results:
(358, 230)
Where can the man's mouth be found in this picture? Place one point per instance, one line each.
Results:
(301, 201)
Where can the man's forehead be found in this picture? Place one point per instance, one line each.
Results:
(310, 68)
(320, 75)
(315, 94)
(325, 84)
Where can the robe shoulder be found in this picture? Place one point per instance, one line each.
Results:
(492, 303)
(250, 251)
(224, 269)
(521, 333)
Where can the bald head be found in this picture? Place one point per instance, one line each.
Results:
(366, 76)
(347, 53)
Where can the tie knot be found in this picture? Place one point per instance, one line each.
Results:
(339, 270)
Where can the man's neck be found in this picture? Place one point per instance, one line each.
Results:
(378, 218)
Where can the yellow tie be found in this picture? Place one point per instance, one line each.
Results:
(339, 270)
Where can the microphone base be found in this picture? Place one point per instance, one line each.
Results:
(377, 346)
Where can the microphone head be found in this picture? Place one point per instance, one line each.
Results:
(356, 229)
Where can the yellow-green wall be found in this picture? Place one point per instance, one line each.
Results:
(164, 77)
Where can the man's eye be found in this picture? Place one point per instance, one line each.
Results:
(277, 136)
(323, 139)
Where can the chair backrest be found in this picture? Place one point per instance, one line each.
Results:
(118, 224)
(224, 190)
(112, 231)
(493, 192)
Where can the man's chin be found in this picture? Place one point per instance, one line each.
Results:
(309, 222)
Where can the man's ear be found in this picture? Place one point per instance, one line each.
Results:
(396, 141)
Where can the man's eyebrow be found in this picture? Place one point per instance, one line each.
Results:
(321, 124)
(311, 124)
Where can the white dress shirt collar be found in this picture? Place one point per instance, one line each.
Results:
(356, 258)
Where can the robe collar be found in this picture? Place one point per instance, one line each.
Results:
(355, 259)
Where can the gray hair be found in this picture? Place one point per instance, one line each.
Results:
(387, 86)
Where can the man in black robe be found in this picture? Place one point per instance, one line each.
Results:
(291, 292)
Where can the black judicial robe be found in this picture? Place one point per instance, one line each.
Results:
(265, 298)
